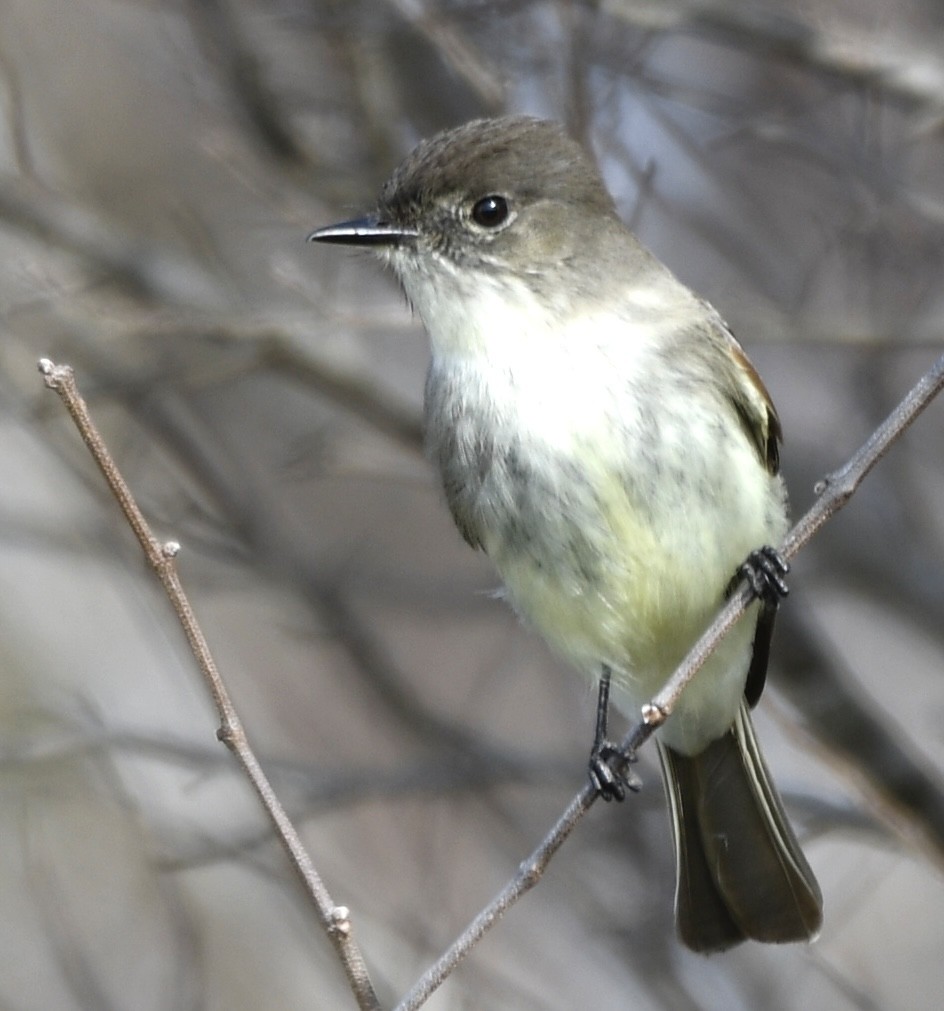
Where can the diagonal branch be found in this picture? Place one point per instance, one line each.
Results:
(834, 492)
(335, 919)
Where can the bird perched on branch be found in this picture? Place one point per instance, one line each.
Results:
(602, 436)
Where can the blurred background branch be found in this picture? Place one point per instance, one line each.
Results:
(160, 167)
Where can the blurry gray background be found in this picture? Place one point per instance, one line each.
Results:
(160, 166)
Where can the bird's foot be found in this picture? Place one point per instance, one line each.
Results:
(610, 771)
(764, 569)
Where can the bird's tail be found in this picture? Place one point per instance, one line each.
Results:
(741, 872)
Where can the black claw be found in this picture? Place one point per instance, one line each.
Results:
(610, 773)
(764, 569)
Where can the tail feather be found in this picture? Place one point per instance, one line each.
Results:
(741, 872)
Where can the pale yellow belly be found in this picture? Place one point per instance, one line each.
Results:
(653, 589)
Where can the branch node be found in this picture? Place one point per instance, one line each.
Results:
(54, 375)
(229, 733)
(653, 715)
(340, 921)
(170, 549)
(529, 873)
(840, 483)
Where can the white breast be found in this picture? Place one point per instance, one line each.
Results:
(663, 494)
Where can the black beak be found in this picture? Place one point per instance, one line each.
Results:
(369, 231)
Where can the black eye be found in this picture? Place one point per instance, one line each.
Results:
(490, 212)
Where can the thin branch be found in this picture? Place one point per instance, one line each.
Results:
(151, 271)
(161, 556)
(834, 492)
(11, 96)
(456, 52)
(903, 70)
(229, 49)
(309, 363)
(882, 761)
(348, 387)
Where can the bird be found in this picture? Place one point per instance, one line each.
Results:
(603, 437)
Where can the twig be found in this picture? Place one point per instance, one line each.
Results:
(834, 492)
(893, 63)
(217, 28)
(147, 269)
(161, 556)
(456, 51)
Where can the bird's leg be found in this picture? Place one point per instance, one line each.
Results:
(764, 569)
(609, 764)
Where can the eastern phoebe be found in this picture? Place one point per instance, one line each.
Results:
(603, 437)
